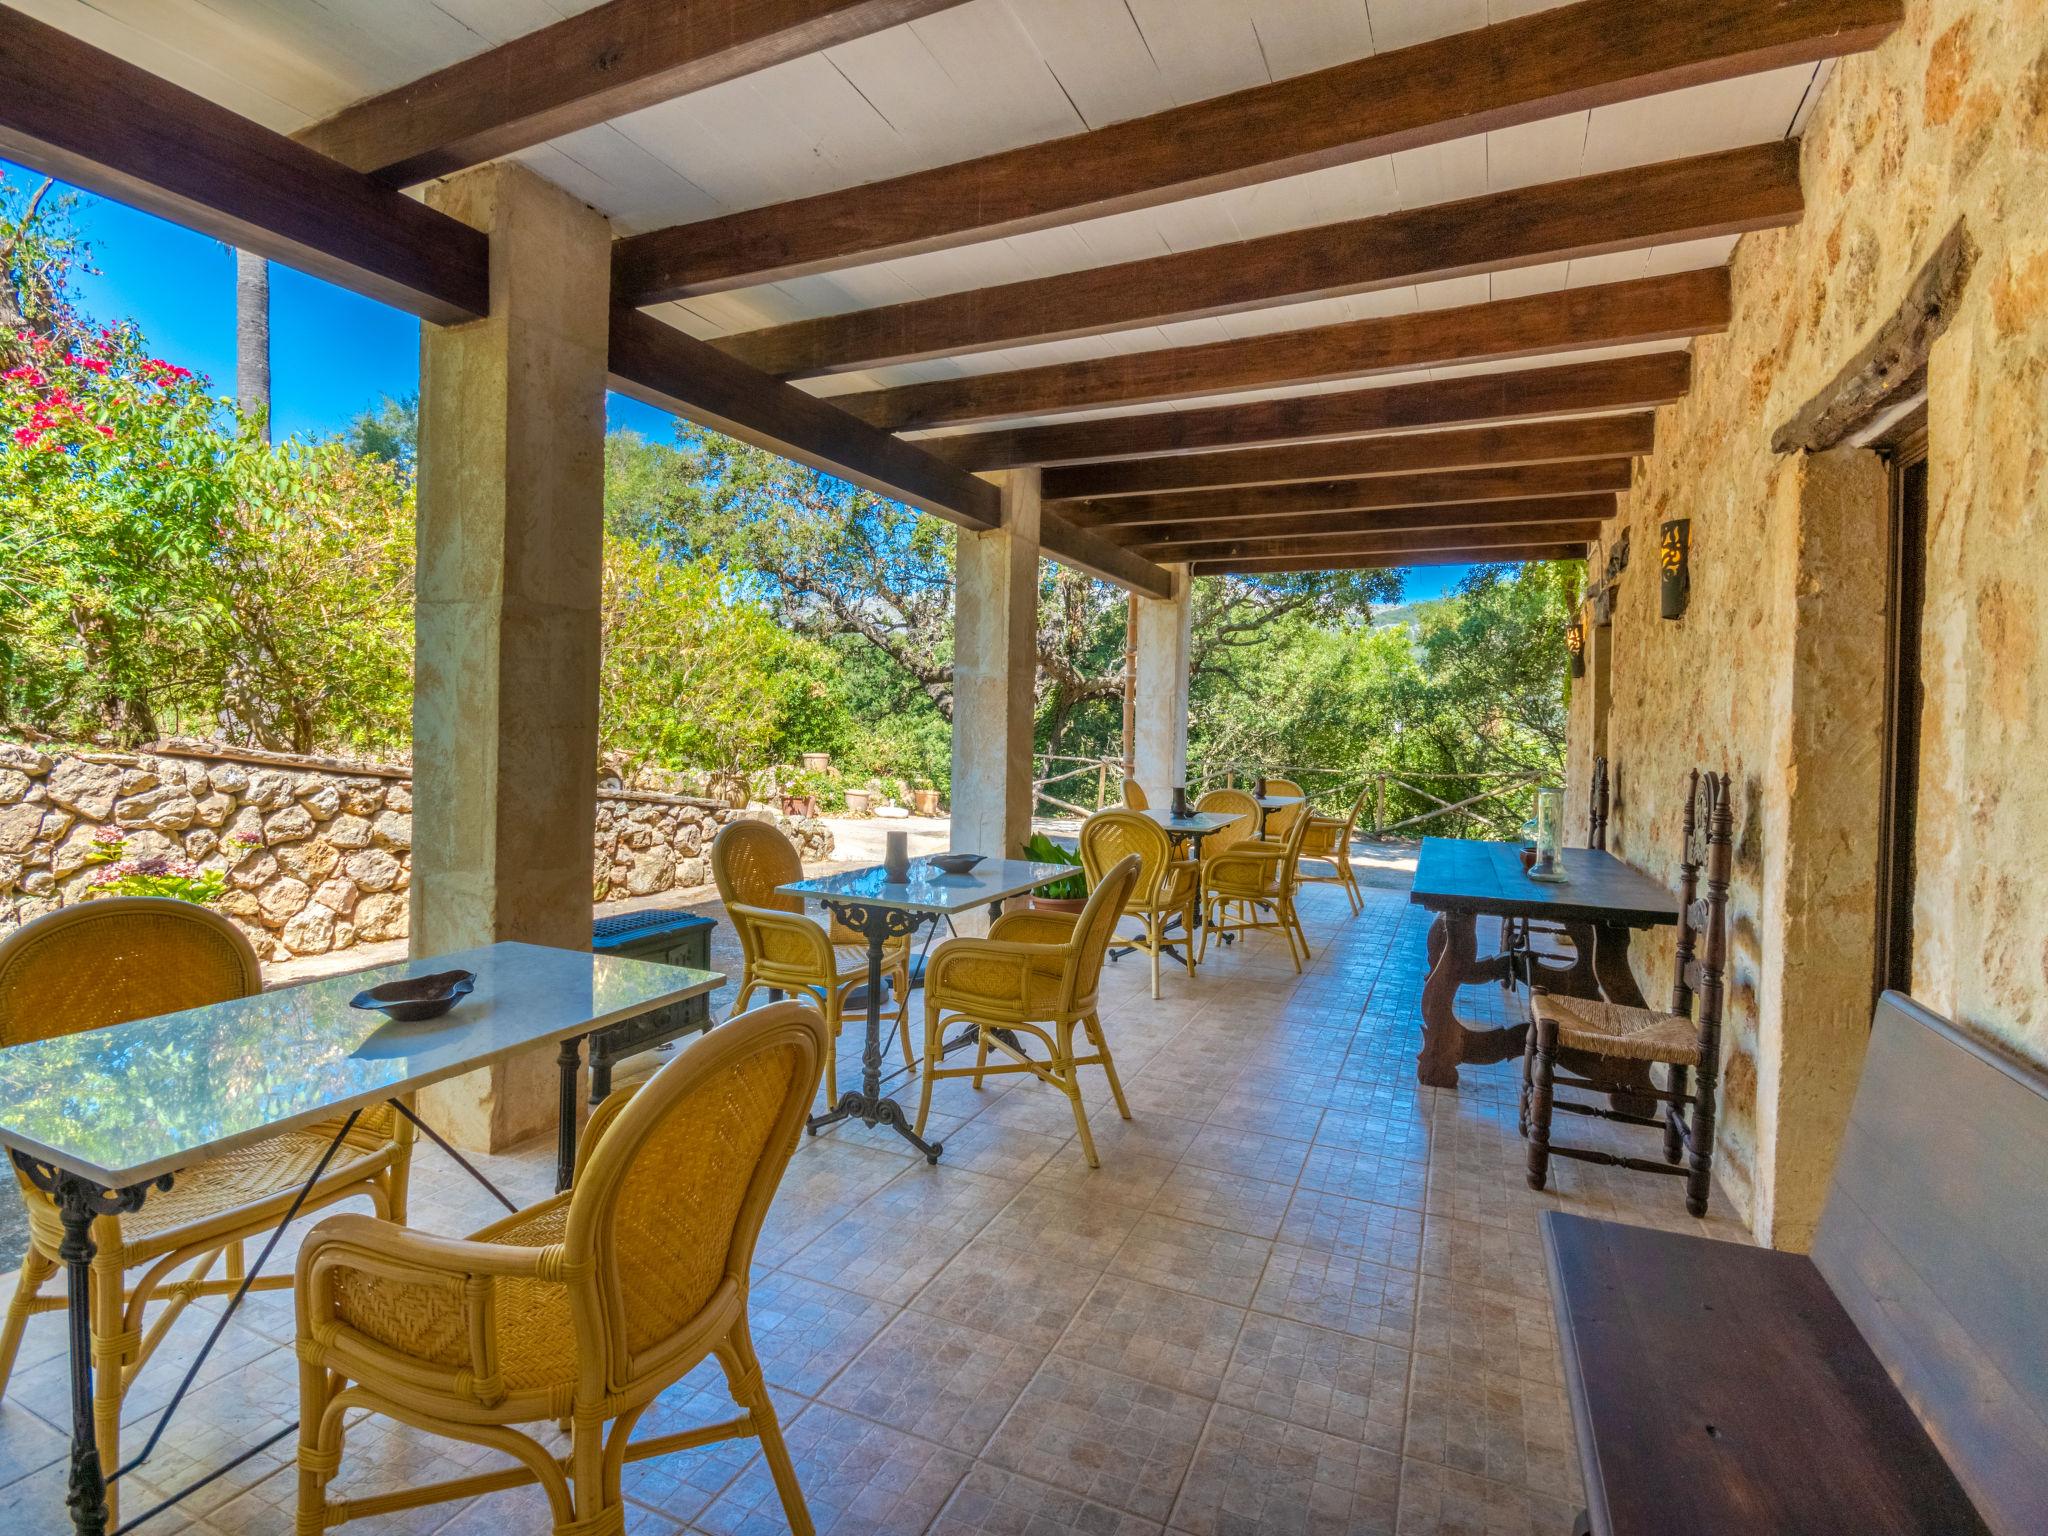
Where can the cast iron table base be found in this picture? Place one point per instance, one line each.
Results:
(869, 1104)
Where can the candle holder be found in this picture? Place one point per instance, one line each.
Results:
(1181, 809)
(1549, 835)
(896, 857)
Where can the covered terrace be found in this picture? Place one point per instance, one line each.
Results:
(1166, 291)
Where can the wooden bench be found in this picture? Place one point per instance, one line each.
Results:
(1894, 1382)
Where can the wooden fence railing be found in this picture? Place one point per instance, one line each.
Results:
(1399, 801)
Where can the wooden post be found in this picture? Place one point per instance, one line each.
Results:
(1379, 804)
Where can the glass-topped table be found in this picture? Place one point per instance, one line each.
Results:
(101, 1119)
(879, 909)
(1191, 828)
(1268, 804)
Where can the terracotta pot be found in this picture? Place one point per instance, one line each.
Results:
(799, 805)
(860, 801)
(924, 802)
(816, 762)
(1071, 904)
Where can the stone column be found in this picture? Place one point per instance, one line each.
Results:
(511, 515)
(995, 669)
(1820, 834)
(1160, 710)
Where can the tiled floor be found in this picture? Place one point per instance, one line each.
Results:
(1301, 1295)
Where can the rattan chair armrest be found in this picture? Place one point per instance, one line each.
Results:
(384, 1247)
(1019, 960)
(1033, 927)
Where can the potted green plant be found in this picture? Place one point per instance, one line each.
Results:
(924, 797)
(799, 793)
(1068, 895)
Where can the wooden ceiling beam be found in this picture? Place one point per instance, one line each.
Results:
(1420, 541)
(1534, 442)
(1156, 540)
(1655, 378)
(1287, 564)
(1543, 65)
(74, 112)
(1739, 190)
(1576, 478)
(583, 70)
(656, 363)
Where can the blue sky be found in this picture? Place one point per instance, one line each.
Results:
(334, 354)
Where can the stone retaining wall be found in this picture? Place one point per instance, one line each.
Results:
(316, 853)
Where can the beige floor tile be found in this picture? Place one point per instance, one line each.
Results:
(992, 1501)
(1366, 1176)
(1321, 1379)
(1111, 1438)
(1188, 1256)
(892, 1243)
(681, 1483)
(1024, 1296)
(1475, 1329)
(937, 1380)
(1358, 1229)
(1276, 1117)
(1228, 1200)
(858, 1478)
(1399, 1133)
(1493, 1424)
(805, 1331)
(991, 1146)
(524, 1512)
(824, 1181)
(1165, 1337)
(1440, 1501)
(1496, 1256)
(1075, 1224)
(1253, 1473)
(1253, 1154)
(1355, 1296)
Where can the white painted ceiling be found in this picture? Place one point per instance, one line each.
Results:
(983, 76)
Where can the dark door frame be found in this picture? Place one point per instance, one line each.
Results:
(1904, 448)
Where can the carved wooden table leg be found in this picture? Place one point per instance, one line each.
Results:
(1446, 1039)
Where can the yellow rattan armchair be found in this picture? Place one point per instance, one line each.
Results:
(1326, 852)
(1166, 887)
(1252, 876)
(1135, 798)
(1036, 973)
(583, 1308)
(784, 950)
(1281, 822)
(1228, 802)
(106, 962)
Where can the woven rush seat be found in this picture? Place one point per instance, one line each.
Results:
(256, 1183)
(1610, 1029)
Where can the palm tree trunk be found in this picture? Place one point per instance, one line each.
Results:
(252, 339)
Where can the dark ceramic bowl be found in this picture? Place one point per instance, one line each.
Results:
(956, 863)
(416, 998)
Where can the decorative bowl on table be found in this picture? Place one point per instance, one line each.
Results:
(956, 863)
(415, 999)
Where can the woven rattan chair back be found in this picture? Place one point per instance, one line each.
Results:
(1108, 837)
(670, 1204)
(749, 859)
(120, 958)
(1135, 797)
(1228, 802)
(1282, 821)
(1096, 927)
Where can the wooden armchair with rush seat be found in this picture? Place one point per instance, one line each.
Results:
(132, 957)
(1686, 1041)
(582, 1309)
(1035, 974)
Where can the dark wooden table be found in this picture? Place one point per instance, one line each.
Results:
(1600, 903)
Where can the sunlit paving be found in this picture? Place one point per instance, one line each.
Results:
(1017, 767)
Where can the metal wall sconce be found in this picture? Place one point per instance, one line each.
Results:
(1674, 563)
(1575, 643)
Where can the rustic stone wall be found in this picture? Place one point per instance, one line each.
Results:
(317, 854)
(1775, 673)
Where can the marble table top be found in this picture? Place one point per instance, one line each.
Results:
(930, 889)
(1278, 802)
(123, 1104)
(1199, 822)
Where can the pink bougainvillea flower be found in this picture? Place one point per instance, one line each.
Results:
(26, 436)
